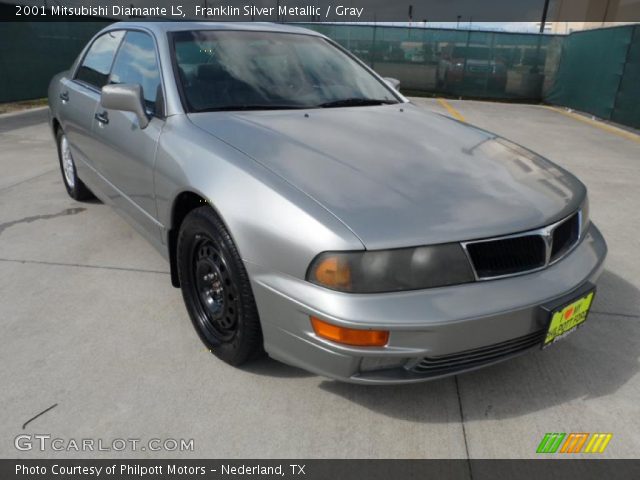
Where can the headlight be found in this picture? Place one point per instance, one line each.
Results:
(391, 270)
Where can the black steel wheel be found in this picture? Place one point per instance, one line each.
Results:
(216, 289)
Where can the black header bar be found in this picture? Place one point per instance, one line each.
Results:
(582, 469)
(409, 11)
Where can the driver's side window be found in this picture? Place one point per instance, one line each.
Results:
(136, 63)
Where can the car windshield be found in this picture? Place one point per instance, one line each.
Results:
(242, 70)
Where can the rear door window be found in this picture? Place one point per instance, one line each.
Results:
(94, 69)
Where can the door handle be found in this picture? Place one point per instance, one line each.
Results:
(64, 96)
(102, 117)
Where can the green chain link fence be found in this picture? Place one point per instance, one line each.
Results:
(32, 53)
(465, 63)
(595, 71)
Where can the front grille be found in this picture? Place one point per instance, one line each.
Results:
(507, 256)
(479, 356)
(565, 236)
(521, 253)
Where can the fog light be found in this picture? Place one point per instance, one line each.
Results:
(349, 336)
(370, 364)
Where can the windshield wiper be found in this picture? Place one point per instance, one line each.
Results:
(356, 102)
(230, 108)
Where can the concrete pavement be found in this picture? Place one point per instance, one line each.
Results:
(90, 323)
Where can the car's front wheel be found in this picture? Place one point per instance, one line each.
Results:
(216, 288)
(75, 188)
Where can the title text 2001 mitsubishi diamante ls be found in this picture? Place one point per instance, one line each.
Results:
(308, 210)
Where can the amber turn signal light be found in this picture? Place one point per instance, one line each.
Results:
(333, 272)
(349, 336)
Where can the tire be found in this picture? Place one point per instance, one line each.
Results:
(75, 188)
(216, 288)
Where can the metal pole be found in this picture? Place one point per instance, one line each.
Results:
(606, 12)
(545, 11)
(373, 42)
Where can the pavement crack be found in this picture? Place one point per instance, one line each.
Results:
(614, 314)
(34, 218)
(38, 415)
(80, 265)
(464, 430)
(27, 180)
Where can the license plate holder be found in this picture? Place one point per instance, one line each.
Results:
(565, 318)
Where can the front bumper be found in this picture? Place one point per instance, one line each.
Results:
(438, 323)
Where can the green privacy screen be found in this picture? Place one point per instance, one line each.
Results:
(595, 71)
(626, 109)
(31, 53)
(600, 74)
(455, 62)
(452, 62)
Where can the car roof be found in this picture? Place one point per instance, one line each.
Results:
(170, 26)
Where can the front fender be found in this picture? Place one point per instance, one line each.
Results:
(272, 223)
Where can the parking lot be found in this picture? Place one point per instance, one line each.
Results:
(90, 323)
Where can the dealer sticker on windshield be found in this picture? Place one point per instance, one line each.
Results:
(568, 318)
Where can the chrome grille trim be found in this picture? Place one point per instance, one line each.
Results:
(546, 233)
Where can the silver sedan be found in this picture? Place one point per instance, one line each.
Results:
(308, 210)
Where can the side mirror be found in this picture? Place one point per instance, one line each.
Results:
(392, 82)
(125, 97)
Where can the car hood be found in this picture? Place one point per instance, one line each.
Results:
(398, 175)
